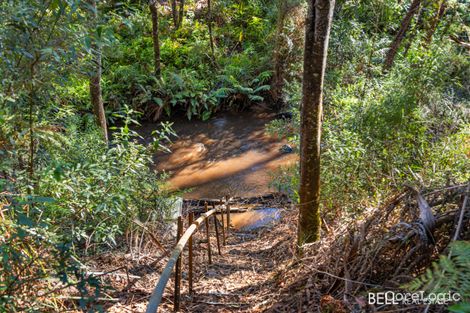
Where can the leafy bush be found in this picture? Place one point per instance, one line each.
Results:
(105, 189)
(36, 261)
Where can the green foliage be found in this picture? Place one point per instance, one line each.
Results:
(86, 196)
(104, 188)
(63, 190)
(35, 260)
(381, 131)
(66, 192)
(191, 82)
(448, 274)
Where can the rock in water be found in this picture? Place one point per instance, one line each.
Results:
(286, 149)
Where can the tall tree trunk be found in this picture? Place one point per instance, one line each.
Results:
(174, 13)
(317, 33)
(277, 85)
(405, 24)
(31, 102)
(435, 22)
(95, 80)
(181, 14)
(209, 21)
(412, 33)
(155, 37)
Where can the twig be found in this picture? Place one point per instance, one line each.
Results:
(462, 214)
(115, 274)
(457, 231)
(443, 189)
(342, 278)
(235, 304)
(154, 239)
(75, 283)
(96, 299)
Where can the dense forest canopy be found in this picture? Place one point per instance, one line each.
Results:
(78, 76)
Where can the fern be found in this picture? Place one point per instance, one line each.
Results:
(448, 274)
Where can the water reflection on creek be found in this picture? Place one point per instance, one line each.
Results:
(254, 219)
(229, 154)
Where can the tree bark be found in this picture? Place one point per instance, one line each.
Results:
(435, 22)
(278, 75)
(464, 44)
(181, 14)
(95, 80)
(405, 24)
(174, 13)
(413, 32)
(155, 37)
(317, 33)
(209, 21)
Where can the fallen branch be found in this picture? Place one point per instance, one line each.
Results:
(80, 298)
(232, 304)
(114, 274)
(460, 42)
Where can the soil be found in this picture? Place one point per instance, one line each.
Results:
(260, 271)
(241, 279)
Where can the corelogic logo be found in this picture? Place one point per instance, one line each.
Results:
(408, 298)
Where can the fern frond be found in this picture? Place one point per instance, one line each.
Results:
(448, 273)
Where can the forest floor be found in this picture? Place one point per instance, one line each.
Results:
(259, 271)
(241, 279)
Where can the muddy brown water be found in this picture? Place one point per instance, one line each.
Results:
(253, 219)
(230, 154)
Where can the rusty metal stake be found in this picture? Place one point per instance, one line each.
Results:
(190, 256)
(216, 230)
(179, 233)
(209, 251)
(227, 198)
(223, 223)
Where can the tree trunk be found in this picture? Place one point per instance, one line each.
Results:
(181, 14)
(95, 80)
(278, 75)
(405, 24)
(412, 33)
(155, 37)
(317, 33)
(209, 21)
(31, 102)
(434, 23)
(174, 13)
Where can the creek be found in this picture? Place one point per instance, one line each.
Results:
(230, 154)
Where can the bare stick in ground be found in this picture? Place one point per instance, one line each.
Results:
(176, 307)
(462, 213)
(209, 251)
(190, 256)
(223, 223)
(216, 231)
